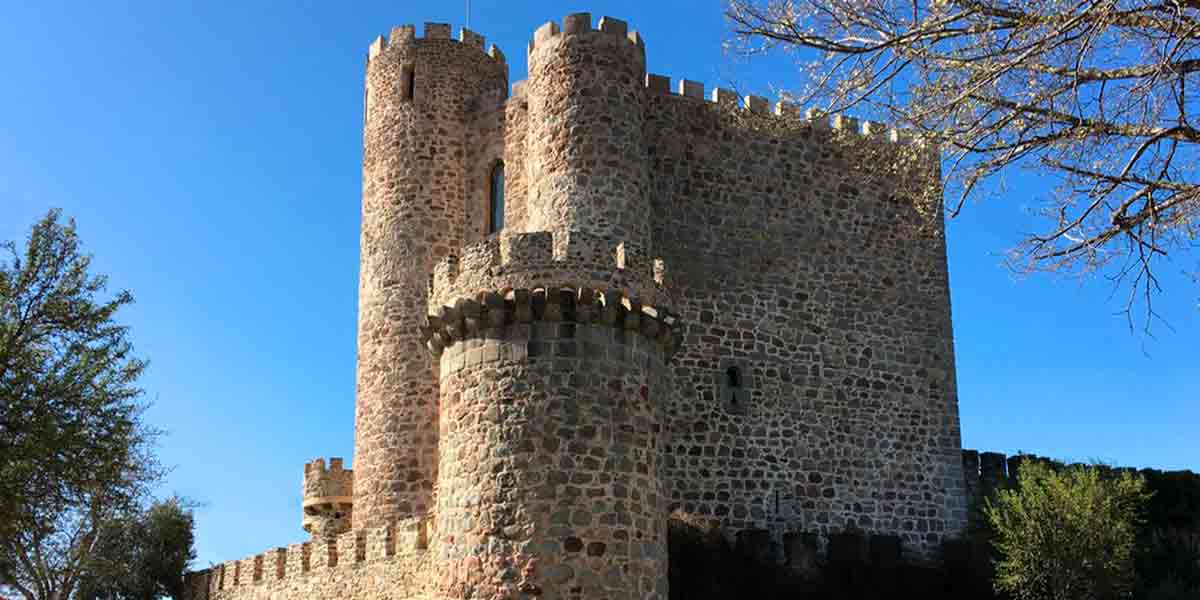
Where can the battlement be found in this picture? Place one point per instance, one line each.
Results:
(569, 276)
(511, 260)
(985, 471)
(326, 485)
(404, 541)
(689, 90)
(433, 31)
(581, 24)
(695, 91)
(686, 89)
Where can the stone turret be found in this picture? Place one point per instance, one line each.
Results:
(419, 91)
(552, 347)
(587, 156)
(328, 498)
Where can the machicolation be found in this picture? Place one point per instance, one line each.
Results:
(603, 299)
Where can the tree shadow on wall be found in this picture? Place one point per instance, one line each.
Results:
(704, 565)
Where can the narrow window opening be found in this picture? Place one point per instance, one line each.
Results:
(496, 199)
(366, 102)
(407, 82)
(733, 379)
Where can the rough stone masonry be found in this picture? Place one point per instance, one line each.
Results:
(689, 304)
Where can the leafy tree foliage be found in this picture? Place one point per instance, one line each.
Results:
(1097, 94)
(74, 452)
(1067, 533)
(141, 556)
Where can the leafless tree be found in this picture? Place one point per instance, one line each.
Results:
(1098, 94)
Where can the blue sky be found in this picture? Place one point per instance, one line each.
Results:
(211, 156)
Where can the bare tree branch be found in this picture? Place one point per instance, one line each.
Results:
(1093, 93)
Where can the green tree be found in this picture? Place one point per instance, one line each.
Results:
(1067, 533)
(142, 556)
(74, 451)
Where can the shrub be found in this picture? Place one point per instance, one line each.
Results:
(1067, 533)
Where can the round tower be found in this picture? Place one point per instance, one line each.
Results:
(328, 498)
(588, 161)
(552, 348)
(418, 91)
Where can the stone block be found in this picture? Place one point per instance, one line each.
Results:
(658, 84)
(440, 31)
(691, 89)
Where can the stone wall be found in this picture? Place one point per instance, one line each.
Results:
(550, 484)
(485, 148)
(516, 172)
(828, 290)
(985, 472)
(376, 564)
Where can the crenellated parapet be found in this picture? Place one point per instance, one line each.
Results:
(402, 544)
(513, 260)
(407, 34)
(694, 91)
(577, 28)
(328, 498)
(608, 30)
(519, 278)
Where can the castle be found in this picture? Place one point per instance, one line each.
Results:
(600, 299)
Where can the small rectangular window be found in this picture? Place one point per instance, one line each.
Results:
(407, 82)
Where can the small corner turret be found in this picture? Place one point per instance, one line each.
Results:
(328, 498)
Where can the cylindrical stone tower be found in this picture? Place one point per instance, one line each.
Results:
(552, 348)
(551, 425)
(414, 200)
(587, 157)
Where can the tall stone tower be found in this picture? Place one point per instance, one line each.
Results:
(418, 92)
(552, 348)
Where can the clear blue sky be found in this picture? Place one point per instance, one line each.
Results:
(211, 156)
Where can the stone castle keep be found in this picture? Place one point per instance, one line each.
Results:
(600, 299)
